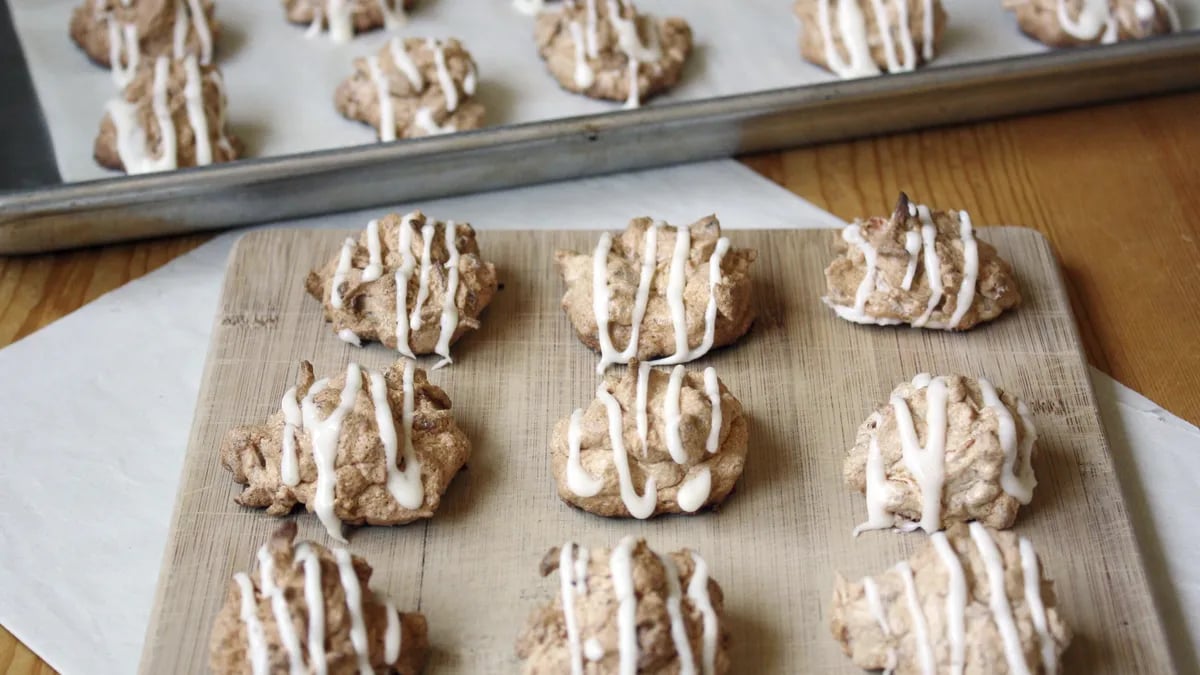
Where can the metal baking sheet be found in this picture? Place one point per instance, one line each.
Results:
(273, 188)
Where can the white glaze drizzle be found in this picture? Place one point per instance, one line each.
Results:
(348, 336)
(403, 274)
(712, 387)
(340, 273)
(695, 489)
(394, 15)
(425, 120)
(1016, 482)
(871, 591)
(878, 491)
(404, 486)
(584, 75)
(314, 599)
(927, 28)
(593, 650)
(912, 244)
(926, 464)
(1037, 609)
(933, 265)
(1094, 17)
(393, 636)
(852, 26)
(578, 479)
(956, 601)
(337, 15)
(683, 648)
(639, 507)
(427, 232)
(568, 587)
(449, 318)
(387, 109)
(853, 235)
(353, 592)
(193, 92)
(920, 626)
(672, 417)
(621, 566)
(966, 288)
(634, 99)
(529, 7)
(445, 81)
(675, 287)
(279, 607)
(199, 22)
(289, 469)
(998, 599)
(256, 640)
(324, 435)
(123, 38)
(404, 63)
(697, 592)
(643, 391)
(374, 268)
(600, 296)
(132, 138)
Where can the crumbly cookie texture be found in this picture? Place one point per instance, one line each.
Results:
(919, 267)
(171, 115)
(413, 87)
(1089, 22)
(360, 447)
(646, 271)
(628, 604)
(681, 445)
(944, 450)
(120, 35)
(343, 19)
(600, 47)
(269, 620)
(973, 600)
(852, 39)
(441, 284)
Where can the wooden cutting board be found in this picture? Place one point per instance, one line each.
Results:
(806, 379)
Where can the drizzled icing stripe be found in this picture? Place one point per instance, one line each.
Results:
(1037, 609)
(427, 232)
(256, 640)
(449, 319)
(853, 30)
(383, 93)
(393, 636)
(445, 81)
(643, 421)
(998, 599)
(697, 592)
(712, 387)
(966, 288)
(405, 65)
(578, 479)
(675, 288)
(567, 583)
(529, 7)
(279, 607)
(403, 274)
(871, 591)
(203, 32)
(404, 486)
(1018, 483)
(123, 38)
(325, 434)
(926, 464)
(956, 601)
(920, 626)
(341, 272)
(912, 244)
(132, 138)
(672, 417)
(314, 599)
(353, 592)
(339, 15)
(639, 507)
(621, 565)
(600, 295)
(877, 492)
(289, 469)
(679, 635)
(1094, 17)
(374, 268)
(193, 92)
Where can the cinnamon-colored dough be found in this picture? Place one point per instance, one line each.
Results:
(369, 307)
(1126, 20)
(364, 15)
(229, 650)
(654, 460)
(420, 107)
(889, 302)
(253, 453)
(735, 306)
(223, 145)
(155, 24)
(899, 648)
(543, 645)
(975, 458)
(660, 47)
(812, 38)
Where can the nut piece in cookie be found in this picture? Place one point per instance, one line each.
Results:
(345, 18)
(973, 600)
(361, 447)
(664, 291)
(406, 284)
(268, 622)
(602, 48)
(857, 38)
(123, 34)
(681, 447)
(625, 609)
(919, 267)
(943, 450)
(1073, 23)
(170, 116)
(413, 87)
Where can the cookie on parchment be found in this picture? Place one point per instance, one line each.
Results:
(343, 19)
(858, 38)
(1074, 23)
(124, 34)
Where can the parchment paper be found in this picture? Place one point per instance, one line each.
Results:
(96, 409)
(281, 84)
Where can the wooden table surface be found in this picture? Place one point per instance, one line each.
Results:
(1115, 188)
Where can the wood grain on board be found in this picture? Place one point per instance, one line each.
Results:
(806, 380)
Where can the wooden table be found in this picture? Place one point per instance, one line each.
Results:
(1115, 188)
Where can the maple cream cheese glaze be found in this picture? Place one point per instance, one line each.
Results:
(310, 610)
(627, 610)
(920, 267)
(973, 601)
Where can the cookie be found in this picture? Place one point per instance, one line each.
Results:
(919, 267)
(361, 447)
(171, 115)
(971, 601)
(345, 18)
(857, 38)
(406, 284)
(602, 48)
(123, 34)
(943, 450)
(627, 610)
(413, 87)
(1073, 23)
(310, 609)
(659, 293)
(681, 448)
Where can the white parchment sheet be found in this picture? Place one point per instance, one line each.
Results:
(95, 421)
(281, 85)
